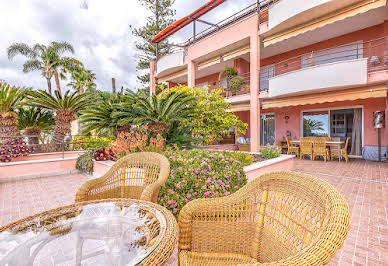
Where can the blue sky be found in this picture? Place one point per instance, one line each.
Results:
(98, 29)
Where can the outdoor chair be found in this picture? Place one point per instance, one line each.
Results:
(280, 218)
(306, 148)
(291, 148)
(319, 149)
(337, 152)
(136, 176)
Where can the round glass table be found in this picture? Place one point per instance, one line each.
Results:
(104, 232)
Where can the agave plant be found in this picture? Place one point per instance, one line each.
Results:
(10, 99)
(156, 111)
(33, 121)
(65, 107)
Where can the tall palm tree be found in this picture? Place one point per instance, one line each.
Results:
(65, 108)
(10, 99)
(158, 112)
(83, 80)
(46, 59)
(33, 121)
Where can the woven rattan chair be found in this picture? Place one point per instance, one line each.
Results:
(306, 148)
(340, 152)
(319, 149)
(280, 218)
(136, 176)
(292, 149)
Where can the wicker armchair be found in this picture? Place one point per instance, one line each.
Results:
(306, 148)
(340, 152)
(136, 176)
(292, 149)
(280, 218)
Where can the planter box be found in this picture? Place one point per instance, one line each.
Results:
(281, 163)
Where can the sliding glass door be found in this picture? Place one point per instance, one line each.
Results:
(267, 129)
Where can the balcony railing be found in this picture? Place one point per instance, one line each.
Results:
(244, 89)
(375, 50)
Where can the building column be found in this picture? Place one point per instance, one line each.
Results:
(152, 77)
(191, 74)
(386, 115)
(254, 91)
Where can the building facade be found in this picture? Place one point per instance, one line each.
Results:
(310, 68)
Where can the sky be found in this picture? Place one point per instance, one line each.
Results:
(99, 31)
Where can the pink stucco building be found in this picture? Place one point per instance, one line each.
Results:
(311, 68)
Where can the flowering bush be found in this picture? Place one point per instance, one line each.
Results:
(137, 140)
(13, 148)
(104, 155)
(201, 174)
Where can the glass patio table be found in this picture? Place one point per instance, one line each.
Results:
(104, 232)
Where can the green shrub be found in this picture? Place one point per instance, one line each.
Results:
(93, 142)
(230, 72)
(201, 174)
(269, 152)
(235, 83)
(84, 163)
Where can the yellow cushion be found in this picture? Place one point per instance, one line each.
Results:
(213, 258)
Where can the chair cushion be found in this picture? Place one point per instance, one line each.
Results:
(213, 258)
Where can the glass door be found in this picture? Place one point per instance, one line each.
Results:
(267, 129)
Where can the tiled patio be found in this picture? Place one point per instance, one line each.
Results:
(364, 184)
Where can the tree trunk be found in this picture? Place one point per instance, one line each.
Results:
(8, 126)
(113, 86)
(33, 134)
(49, 85)
(56, 76)
(62, 126)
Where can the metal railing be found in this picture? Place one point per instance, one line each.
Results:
(376, 51)
(37, 144)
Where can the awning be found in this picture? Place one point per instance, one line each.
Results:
(208, 63)
(173, 76)
(186, 20)
(342, 14)
(241, 107)
(325, 97)
(236, 53)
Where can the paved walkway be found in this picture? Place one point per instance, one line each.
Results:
(365, 186)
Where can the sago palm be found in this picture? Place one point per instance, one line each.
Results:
(34, 120)
(157, 111)
(47, 59)
(10, 99)
(98, 117)
(65, 107)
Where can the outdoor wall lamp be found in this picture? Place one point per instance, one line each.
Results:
(286, 118)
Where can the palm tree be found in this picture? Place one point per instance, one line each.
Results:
(83, 80)
(310, 125)
(158, 112)
(98, 117)
(46, 59)
(65, 108)
(33, 121)
(10, 99)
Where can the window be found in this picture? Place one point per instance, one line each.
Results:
(316, 124)
(266, 72)
(337, 54)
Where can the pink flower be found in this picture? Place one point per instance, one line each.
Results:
(236, 187)
(175, 210)
(206, 194)
(188, 196)
(204, 186)
(171, 202)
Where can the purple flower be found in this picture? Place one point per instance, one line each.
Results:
(191, 190)
(204, 187)
(188, 196)
(171, 202)
(196, 172)
(195, 194)
(219, 181)
(236, 187)
(172, 171)
(206, 194)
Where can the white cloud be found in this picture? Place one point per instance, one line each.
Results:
(98, 29)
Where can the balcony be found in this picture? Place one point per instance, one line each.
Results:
(170, 62)
(338, 67)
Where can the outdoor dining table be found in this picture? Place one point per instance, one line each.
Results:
(329, 143)
(104, 232)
